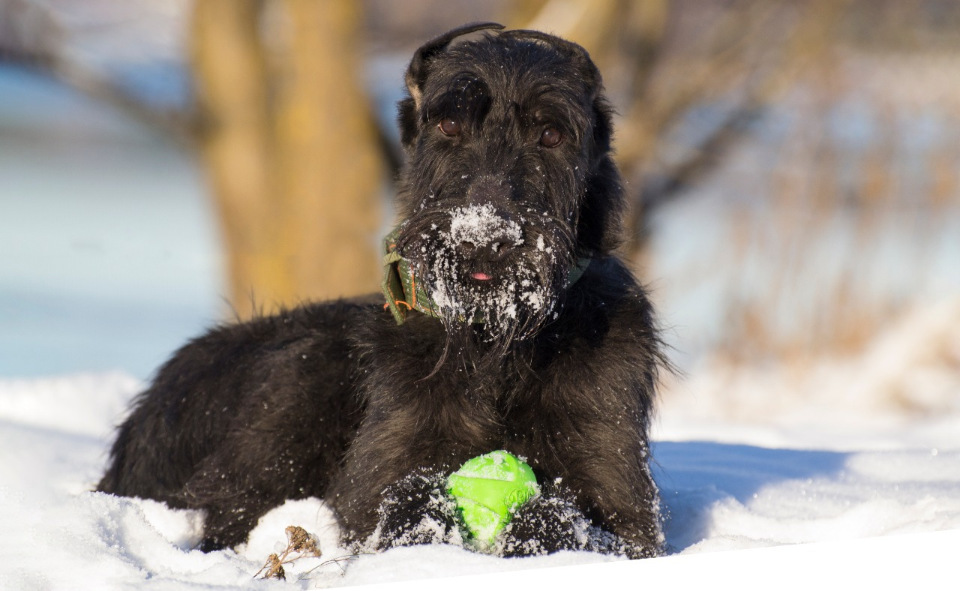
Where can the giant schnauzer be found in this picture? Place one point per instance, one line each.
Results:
(509, 324)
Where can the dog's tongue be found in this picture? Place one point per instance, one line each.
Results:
(479, 276)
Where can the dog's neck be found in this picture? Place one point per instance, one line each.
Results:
(404, 291)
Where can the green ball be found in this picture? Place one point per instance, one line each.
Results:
(488, 490)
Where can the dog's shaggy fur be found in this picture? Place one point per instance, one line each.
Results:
(540, 342)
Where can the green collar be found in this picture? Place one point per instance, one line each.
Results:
(404, 292)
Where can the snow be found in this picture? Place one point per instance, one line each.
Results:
(481, 225)
(722, 500)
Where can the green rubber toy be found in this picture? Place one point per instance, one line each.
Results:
(488, 490)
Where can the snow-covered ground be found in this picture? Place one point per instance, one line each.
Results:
(722, 500)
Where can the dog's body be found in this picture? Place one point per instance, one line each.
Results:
(535, 338)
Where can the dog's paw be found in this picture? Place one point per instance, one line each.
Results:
(416, 511)
(553, 523)
(544, 525)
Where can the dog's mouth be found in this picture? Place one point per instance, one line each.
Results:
(481, 276)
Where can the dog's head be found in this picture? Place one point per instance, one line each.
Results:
(508, 184)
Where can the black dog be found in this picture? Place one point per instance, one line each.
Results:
(509, 324)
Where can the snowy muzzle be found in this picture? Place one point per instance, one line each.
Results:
(477, 264)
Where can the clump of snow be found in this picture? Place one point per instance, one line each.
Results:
(480, 225)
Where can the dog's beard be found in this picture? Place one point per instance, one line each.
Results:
(510, 306)
(496, 303)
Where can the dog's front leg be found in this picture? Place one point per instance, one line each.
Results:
(590, 444)
(618, 492)
(391, 490)
(599, 489)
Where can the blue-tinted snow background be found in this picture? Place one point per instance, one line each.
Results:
(109, 248)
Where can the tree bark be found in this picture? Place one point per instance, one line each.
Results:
(290, 151)
(331, 170)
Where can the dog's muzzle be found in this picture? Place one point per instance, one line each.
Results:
(405, 291)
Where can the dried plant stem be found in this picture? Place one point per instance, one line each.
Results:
(300, 544)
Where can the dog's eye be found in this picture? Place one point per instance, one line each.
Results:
(551, 137)
(449, 127)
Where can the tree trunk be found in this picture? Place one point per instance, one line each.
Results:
(290, 150)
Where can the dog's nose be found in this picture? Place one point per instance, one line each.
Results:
(481, 232)
(468, 249)
(492, 251)
(500, 249)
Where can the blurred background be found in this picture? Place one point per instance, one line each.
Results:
(793, 170)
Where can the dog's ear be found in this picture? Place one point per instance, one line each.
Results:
(418, 71)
